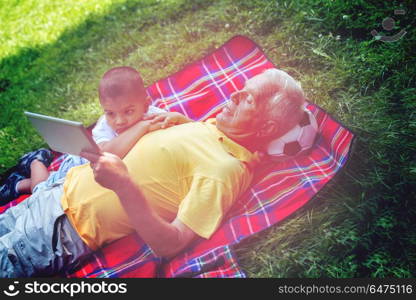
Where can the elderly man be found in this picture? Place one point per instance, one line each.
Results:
(176, 184)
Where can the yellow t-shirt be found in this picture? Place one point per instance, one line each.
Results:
(191, 170)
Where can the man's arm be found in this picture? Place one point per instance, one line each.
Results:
(166, 239)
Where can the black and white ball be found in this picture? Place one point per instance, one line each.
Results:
(296, 141)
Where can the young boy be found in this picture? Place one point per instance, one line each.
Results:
(124, 100)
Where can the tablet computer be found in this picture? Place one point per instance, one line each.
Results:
(63, 135)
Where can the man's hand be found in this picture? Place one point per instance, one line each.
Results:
(109, 170)
(165, 120)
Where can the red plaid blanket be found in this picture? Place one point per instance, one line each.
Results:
(199, 91)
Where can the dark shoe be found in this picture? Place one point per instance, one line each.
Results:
(8, 189)
(43, 155)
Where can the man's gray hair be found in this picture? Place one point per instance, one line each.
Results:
(285, 100)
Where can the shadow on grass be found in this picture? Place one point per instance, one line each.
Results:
(58, 77)
(329, 206)
(32, 71)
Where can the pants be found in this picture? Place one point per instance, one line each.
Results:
(37, 239)
(69, 162)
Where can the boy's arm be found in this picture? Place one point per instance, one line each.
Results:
(168, 119)
(121, 145)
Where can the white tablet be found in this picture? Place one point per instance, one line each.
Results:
(63, 135)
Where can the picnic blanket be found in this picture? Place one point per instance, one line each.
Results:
(200, 90)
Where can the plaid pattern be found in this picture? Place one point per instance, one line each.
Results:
(199, 91)
(216, 263)
(59, 158)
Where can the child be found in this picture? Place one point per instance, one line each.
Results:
(124, 100)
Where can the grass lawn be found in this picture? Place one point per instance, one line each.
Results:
(53, 53)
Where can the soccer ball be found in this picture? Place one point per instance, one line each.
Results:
(296, 141)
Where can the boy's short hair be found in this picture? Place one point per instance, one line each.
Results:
(121, 81)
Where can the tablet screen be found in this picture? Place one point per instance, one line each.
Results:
(63, 135)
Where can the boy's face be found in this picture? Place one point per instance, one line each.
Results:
(123, 112)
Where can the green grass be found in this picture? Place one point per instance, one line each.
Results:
(53, 54)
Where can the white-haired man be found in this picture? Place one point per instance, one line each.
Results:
(174, 186)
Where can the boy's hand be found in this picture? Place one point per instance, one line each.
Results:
(109, 170)
(165, 120)
(148, 125)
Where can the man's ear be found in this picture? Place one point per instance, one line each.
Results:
(268, 128)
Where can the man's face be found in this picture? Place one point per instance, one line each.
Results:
(123, 112)
(242, 116)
